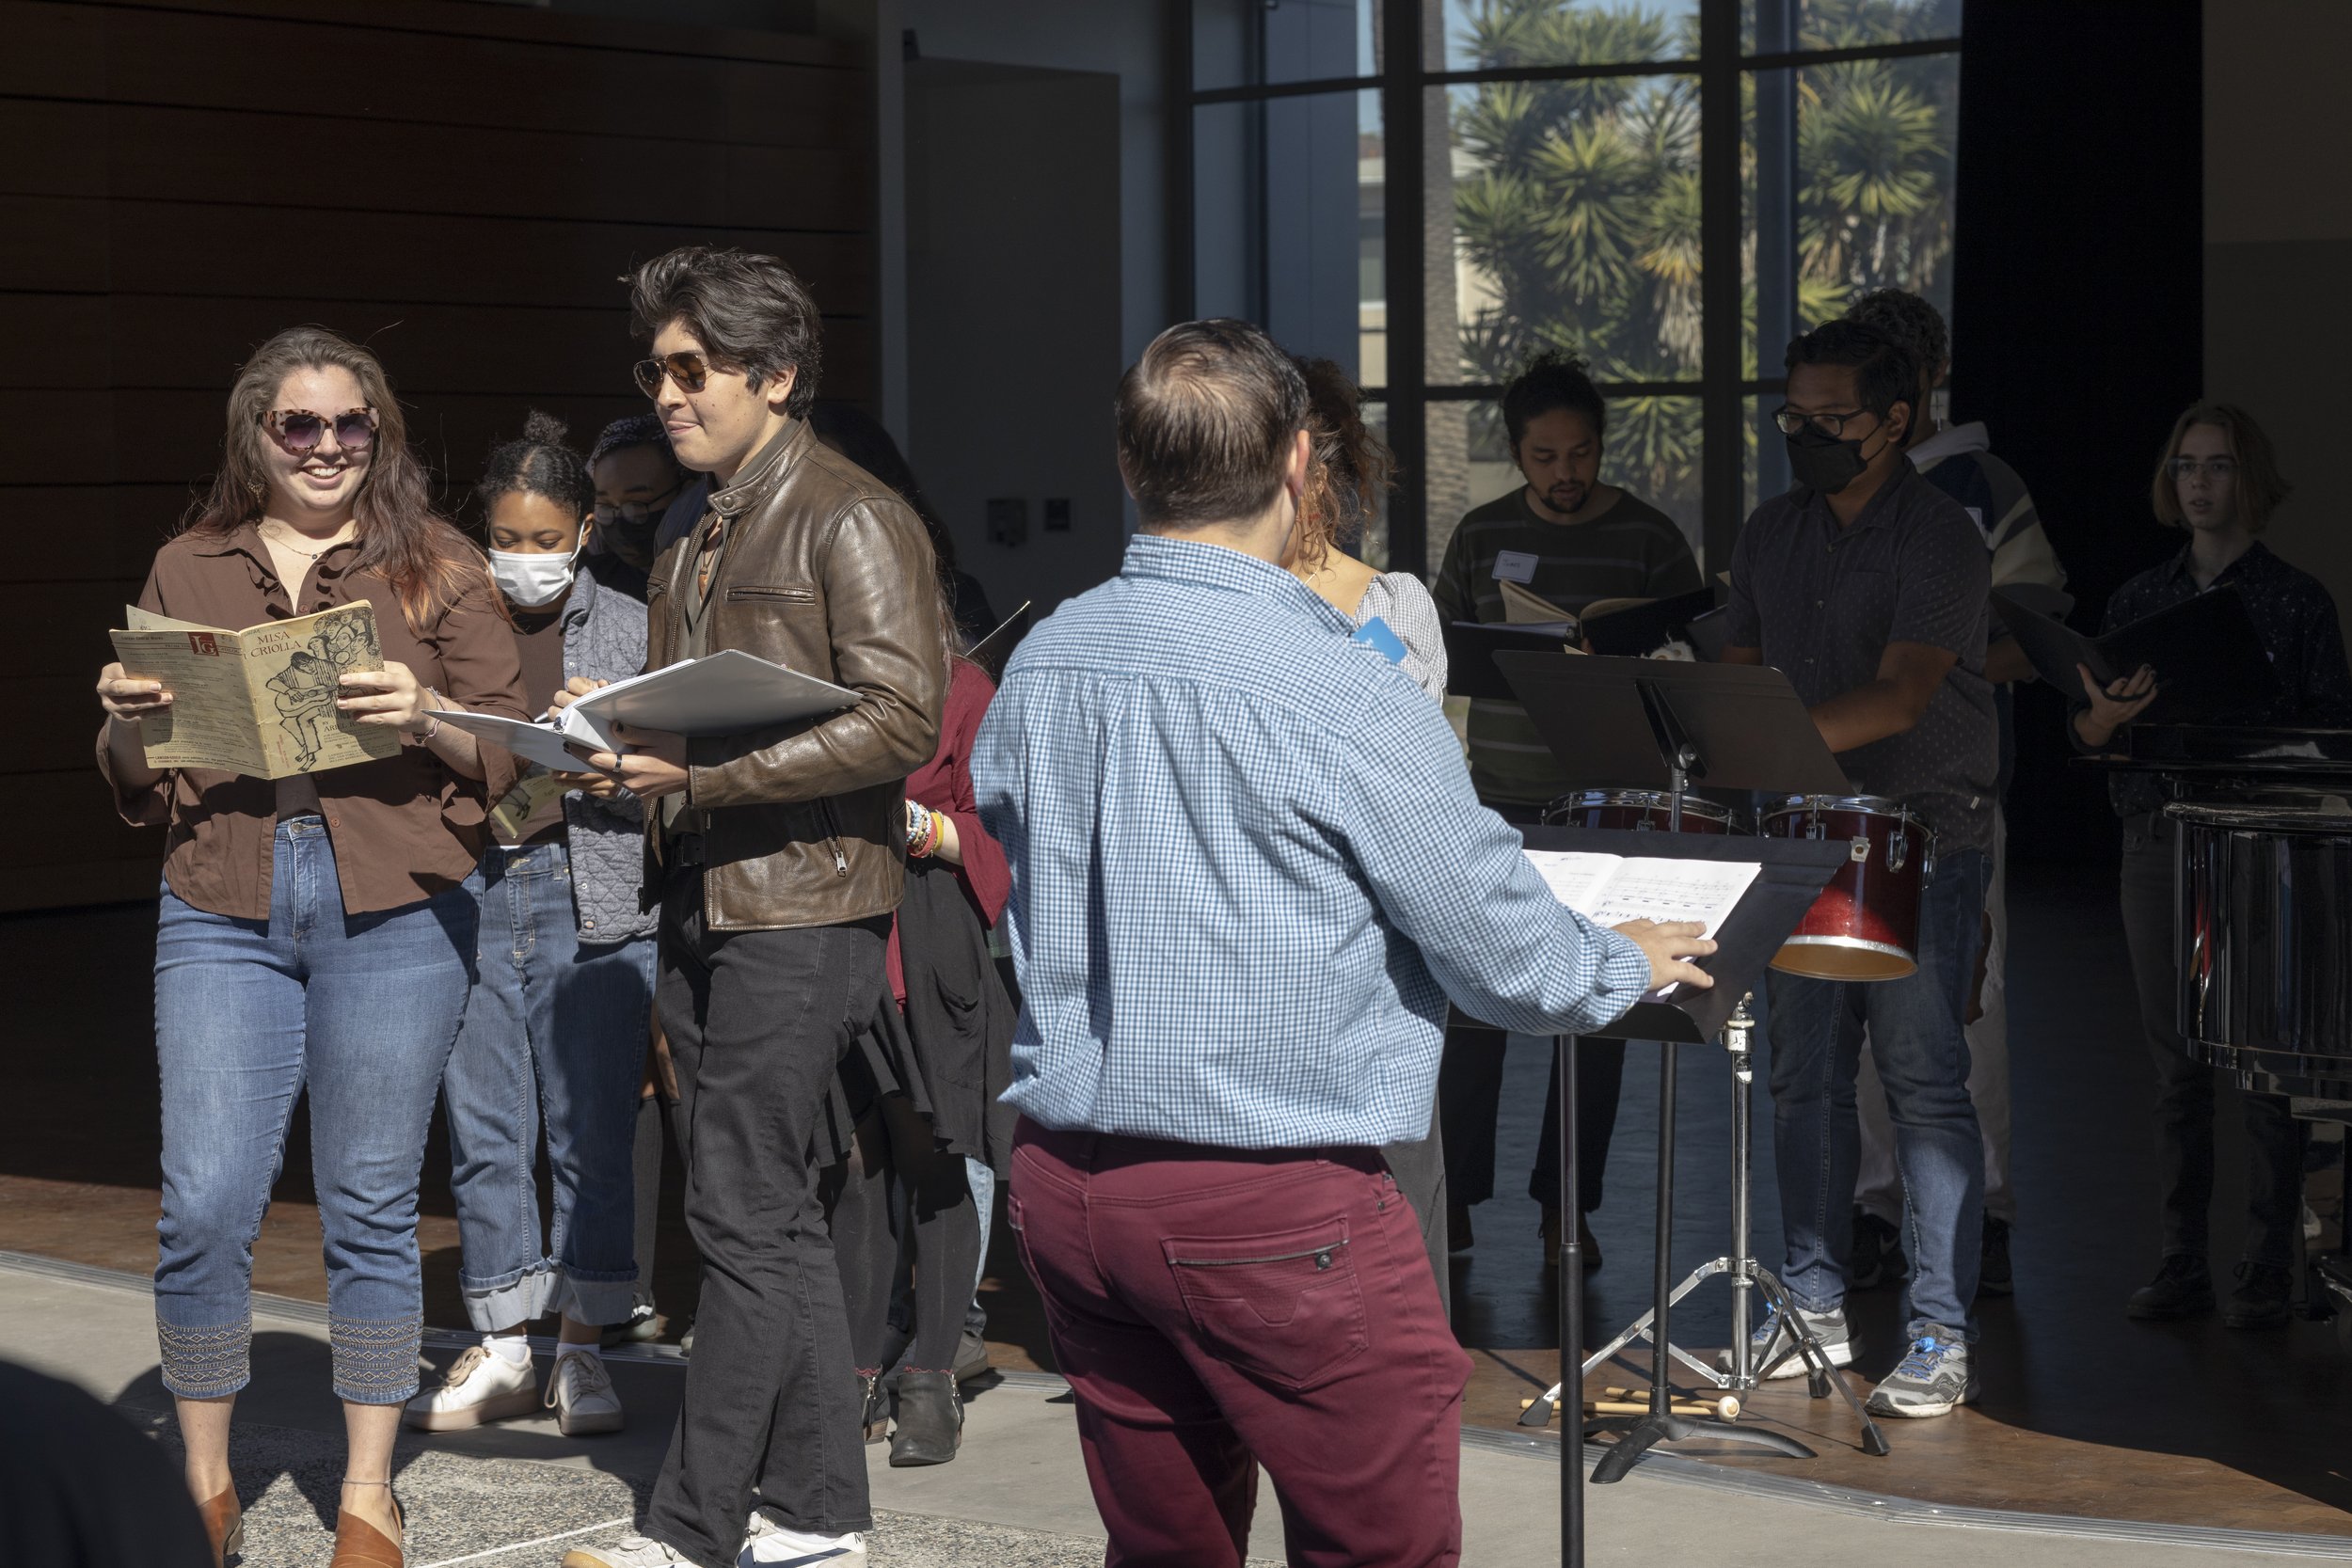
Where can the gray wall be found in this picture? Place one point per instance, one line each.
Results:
(2279, 254)
(1014, 289)
(1058, 237)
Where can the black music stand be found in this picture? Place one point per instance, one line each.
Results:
(1649, 723)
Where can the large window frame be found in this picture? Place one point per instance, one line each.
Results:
(1722, 66)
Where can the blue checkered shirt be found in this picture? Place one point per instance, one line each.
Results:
(1248, 869)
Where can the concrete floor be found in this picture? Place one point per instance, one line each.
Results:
(522, 1493)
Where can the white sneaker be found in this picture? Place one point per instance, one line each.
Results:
(482, 1386)
(1772, 1338)
(631, 1550)
(770, 1544)
(580, 1391)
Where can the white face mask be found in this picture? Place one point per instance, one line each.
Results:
(534, 578)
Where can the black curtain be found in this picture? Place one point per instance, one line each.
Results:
(2078, 309)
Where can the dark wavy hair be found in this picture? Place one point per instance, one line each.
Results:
(1351, 469)
(537, 465)
(749, 312)
(1551, 380)
(401, 540)
(1884, 372)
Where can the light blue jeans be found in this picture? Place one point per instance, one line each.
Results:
(554, 1029)
(1918, 1044)
(359, 1009)
(984, 1199)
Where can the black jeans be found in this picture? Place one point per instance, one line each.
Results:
(757, 1021)
(1470, 1093)
(2185, 1087)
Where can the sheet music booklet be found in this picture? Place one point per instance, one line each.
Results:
(1609, 890)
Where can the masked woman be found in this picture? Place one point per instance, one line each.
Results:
(557, 1023)
(317, 932)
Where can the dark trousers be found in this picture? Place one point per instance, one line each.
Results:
(1470, 1095)
(895, 1138)
(757, 1021)
(1218, 1308)
(2185, 1087)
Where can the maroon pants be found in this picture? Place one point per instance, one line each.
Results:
(1216, 1308)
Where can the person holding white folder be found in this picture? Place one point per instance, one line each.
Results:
(776, 855)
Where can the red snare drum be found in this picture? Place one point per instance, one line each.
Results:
(1866, 923)
(1642, 810)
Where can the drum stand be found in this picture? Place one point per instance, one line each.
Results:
(1746, 1276)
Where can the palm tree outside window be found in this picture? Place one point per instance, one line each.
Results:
(1432, 191)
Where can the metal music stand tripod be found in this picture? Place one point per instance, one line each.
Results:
(1653, 725)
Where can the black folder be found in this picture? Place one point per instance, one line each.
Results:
(1638, 631)
(2207, 656)
(1471, 648)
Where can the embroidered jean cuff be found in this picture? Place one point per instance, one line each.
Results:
(206, 1363)
(376, 1361)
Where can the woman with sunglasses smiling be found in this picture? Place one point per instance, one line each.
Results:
(317, 932)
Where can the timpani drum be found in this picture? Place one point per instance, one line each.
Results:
(1865, 925)
(2263, 908)
(1639, 809)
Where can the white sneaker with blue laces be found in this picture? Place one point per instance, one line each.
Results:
(771, 1545)
(1933, 1380)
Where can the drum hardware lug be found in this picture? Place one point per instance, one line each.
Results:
(1897, 853)
(1859, 850)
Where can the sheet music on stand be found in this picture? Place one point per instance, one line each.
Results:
(1665, 725)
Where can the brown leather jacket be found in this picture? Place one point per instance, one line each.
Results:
(823, 569)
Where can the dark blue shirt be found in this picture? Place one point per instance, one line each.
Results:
(2296, 621)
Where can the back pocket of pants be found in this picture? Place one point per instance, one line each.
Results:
(1285, 1308)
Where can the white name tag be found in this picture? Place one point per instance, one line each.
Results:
(1515, 566)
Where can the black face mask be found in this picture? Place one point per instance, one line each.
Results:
(1822, 462)
(632, 543)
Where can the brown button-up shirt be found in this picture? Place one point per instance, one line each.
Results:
(404, 826)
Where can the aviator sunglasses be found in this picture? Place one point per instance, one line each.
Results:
(300, 431)
(688, 368)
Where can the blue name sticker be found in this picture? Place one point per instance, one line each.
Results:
(1378, 634)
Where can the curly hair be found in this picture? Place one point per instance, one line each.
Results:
(1350, 470)
(749, 312)
(631, 430)
(537, 465)
(2261, 487)
(1911, 321)
(428, 563)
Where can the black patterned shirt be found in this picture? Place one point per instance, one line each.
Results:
(1822, 602)
(2296, 618)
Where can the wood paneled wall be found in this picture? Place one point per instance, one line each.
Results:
(457, 184)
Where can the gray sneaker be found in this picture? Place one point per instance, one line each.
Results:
(1933, 1380)
(1772, 1338)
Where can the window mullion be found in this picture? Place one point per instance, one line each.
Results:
(1403, 245)
(1721, 372)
